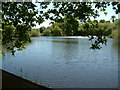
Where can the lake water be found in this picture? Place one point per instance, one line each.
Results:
(65, 62)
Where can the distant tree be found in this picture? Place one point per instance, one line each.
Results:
(22, 15)
(104, 29)
(80, 10)
(70, 26)
(113, 18)
(116, 30)
(108, 21)
(42, 29)
(102, 21)
(56, 31)
(95, 21)
(47, 32)
(35, 33)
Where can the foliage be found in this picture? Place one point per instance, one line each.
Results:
(42, 29)
(22, 15)
(105, 29)
(70, 26)
(47, 32)
(56, 31)
(67, 27)
(59, 27)
(113, 18)
(15, 38)
(96, 42)
(19, 15)
(116, 30)
(93, 28)
(81, 11)
(35, 33)
(103, 21)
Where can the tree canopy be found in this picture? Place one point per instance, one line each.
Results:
(19, 17)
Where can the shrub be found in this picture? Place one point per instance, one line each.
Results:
(35, 33)
(47, 32)
(56, 31)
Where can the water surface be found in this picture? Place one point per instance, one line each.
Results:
(65, 62)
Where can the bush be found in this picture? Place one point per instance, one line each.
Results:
(56, 31)
(47, 32)
(35, 33)
(116, 29)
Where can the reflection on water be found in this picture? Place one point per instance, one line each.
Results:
(66, 62)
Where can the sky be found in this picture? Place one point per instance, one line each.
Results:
(102, 15)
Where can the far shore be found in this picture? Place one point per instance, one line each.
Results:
(71, 36)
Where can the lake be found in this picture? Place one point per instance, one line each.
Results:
(65, 62)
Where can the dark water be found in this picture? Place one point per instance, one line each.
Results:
(66, 63)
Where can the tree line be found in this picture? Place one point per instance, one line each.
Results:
(18, 18)
(95, 28)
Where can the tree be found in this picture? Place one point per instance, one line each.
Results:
(82, 11)
(47, 32)
(116, 30)
(70, 26)
(102, 21)
(35, 33)
(42, 29)
(56, 31)
(113, 18)
(22, 15)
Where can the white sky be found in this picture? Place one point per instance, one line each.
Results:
(102, 15)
